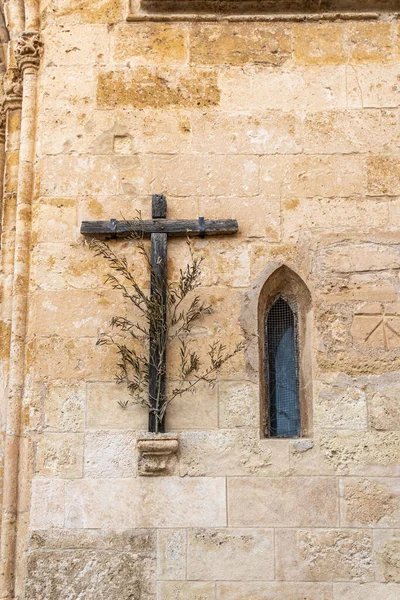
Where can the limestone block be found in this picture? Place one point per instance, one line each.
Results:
(154, 43)
(73, 86)
(125, 503)
(148, 88)
(384, 408)
(383, 176)
(48, 502)
(109, 454)
(372, 502)
(269, 132)
(81, 314)
(310, 176)
(345, 132)
(54, 220)
(186, 590)
(369, 453)
(307, 458)
(171, 554)
(257, 216)
(359, 257)
(341, 404)
(85, 11)
(239, 44)
(64, 404)
(96, 574)
(378, 326)
(238, 404)
(371, 43)
(387, 555)
(60, 455)
(273, 591)
(104, 412)
(324, 555)
(64, 266)
(197, 410)
(319, 44)
(357, 591)
(321, 214)
(231, 452)
(73, 175)
(210, 175)
(230, 554)
(373, 86)
(298, 89)
(77, 358)
(282, 502)
(77, 45)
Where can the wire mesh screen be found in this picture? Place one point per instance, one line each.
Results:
(283, 380)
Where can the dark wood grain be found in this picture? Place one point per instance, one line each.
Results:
(176, 228)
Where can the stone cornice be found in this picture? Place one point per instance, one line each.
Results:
(28, 50)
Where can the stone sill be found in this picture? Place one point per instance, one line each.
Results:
(346, 16)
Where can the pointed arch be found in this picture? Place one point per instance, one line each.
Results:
(285, 361)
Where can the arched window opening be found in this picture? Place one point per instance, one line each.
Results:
(285, 355)
(282, 371)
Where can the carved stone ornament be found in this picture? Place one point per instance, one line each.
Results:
(28, 50)
(2, 125)
(12, 84)
(157, 454)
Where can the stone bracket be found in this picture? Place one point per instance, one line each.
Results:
(156, 454)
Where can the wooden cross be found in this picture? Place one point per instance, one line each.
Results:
(158, 228)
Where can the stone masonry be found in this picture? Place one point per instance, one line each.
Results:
(288, 122)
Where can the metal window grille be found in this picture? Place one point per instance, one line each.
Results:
(282, 371)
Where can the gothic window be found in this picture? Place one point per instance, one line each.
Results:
(285, 319)
(282, 370)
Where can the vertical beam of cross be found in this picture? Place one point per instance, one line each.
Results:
(158, 326)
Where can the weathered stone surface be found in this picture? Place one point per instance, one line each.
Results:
(48, 502)
(268, 132)
(186, 590)
(114, 571)
(284, 502)
(231, 554)
(60, 455)
(239, 44)
(324, 555)
(73, 46)
(384, 408)
(123, 503)
(238, 404)
(289, 90)
(387, 555)
(85, 11)
(373, 86)
(273, 591)
(362, 453)
(109, 454)
(372, 502)
(231, 452)
(341, 404)
(145, 88)
(354, 591)
(103, 410)
(154, 43)
(171, 554)
(319, 44)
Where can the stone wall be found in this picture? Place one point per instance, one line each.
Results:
(293, 129)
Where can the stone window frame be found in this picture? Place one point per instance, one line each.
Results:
(135, 13)
(279, 279)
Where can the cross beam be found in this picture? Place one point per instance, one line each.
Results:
(159, 229)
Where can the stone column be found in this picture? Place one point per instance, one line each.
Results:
(27, 52)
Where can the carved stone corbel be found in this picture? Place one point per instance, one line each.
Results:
(12, 84)
(28, 50)
(157, 454)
